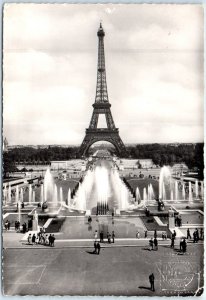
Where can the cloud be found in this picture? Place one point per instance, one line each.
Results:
(154, 64)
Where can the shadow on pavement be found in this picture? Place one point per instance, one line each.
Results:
(145, 288)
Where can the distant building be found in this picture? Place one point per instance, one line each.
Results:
(146, 163)
(72, 165)
(179, 168)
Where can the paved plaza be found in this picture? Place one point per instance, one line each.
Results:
(116, 271)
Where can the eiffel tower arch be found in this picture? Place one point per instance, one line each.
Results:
(102, 106)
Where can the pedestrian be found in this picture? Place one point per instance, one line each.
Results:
(29, 239)
(98, 248)
(155, 244)
(201, 234)
(174, 234)
(109, 238)
(15, 225)
(95, 235)
(155, 234)
(53, 239)
(95, 247)
(181, 245)
(151, 243)
(137, 235)
(101, 237)
(184, 245)
(145, 234)
(172, 242)
(50, 240)
(6, 225)
(46, 240)
(188, 234)
(113, 236)
(33, 239)
(9, 225)
(197, 235)
(151, 280)
(194, 237)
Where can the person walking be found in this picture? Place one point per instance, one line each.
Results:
(9, 225)
(137, 235)
(155, 244)
(145, 234)
(155, 234)
(95, 247)
(33, 239)
(98, 248)
(29, 239)
(113, 236)
(151, 244)
(151, 280)
(109, 238)
(101, 237)
(184, 245)
(95, 235)
(172, 242)
(188, 234)
(52, 240)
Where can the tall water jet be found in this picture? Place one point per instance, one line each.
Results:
(183, 191)
(171, 195)
(165, 179)
(145, 196)
(19, 211)
(21, 195)
(55, 195)
(48, 186)
(196, 190)
(176, 191)
(190, 192)
(9, 193)
(61, 196)
(42, 194)
(202, 189)
(33, 196)
(30, 193)
(102, 184)
(138, 198)
(17, 194)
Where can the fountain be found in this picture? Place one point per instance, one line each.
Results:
(21, 195)
(102, 184)
(183, 191)
(42, 195)
(196, 190)
(30, 193)
(19, 211)
(9, 194)
(176, 191)
(48, 186)
(17, 194)
(138, 198)
(144, 196)
(190, 192)
(61, 195)
(35, 222)
(165, 179)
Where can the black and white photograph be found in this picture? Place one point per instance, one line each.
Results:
(103, 149)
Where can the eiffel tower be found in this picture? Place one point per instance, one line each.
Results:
(102, 106)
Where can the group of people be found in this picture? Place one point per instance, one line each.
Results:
(97, 247)
(153, 244)
(110, 237)
(41, 238)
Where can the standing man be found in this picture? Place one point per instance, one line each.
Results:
(188, 234)
(172, 241)
(145, 234)
(155, 244)
(95, 247)
(151, 280)
(113, 236)
(98, 248)
(101, 237)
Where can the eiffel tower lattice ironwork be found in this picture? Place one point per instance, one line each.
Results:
(102, 106)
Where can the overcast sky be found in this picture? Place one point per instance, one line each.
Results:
(154, 68)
